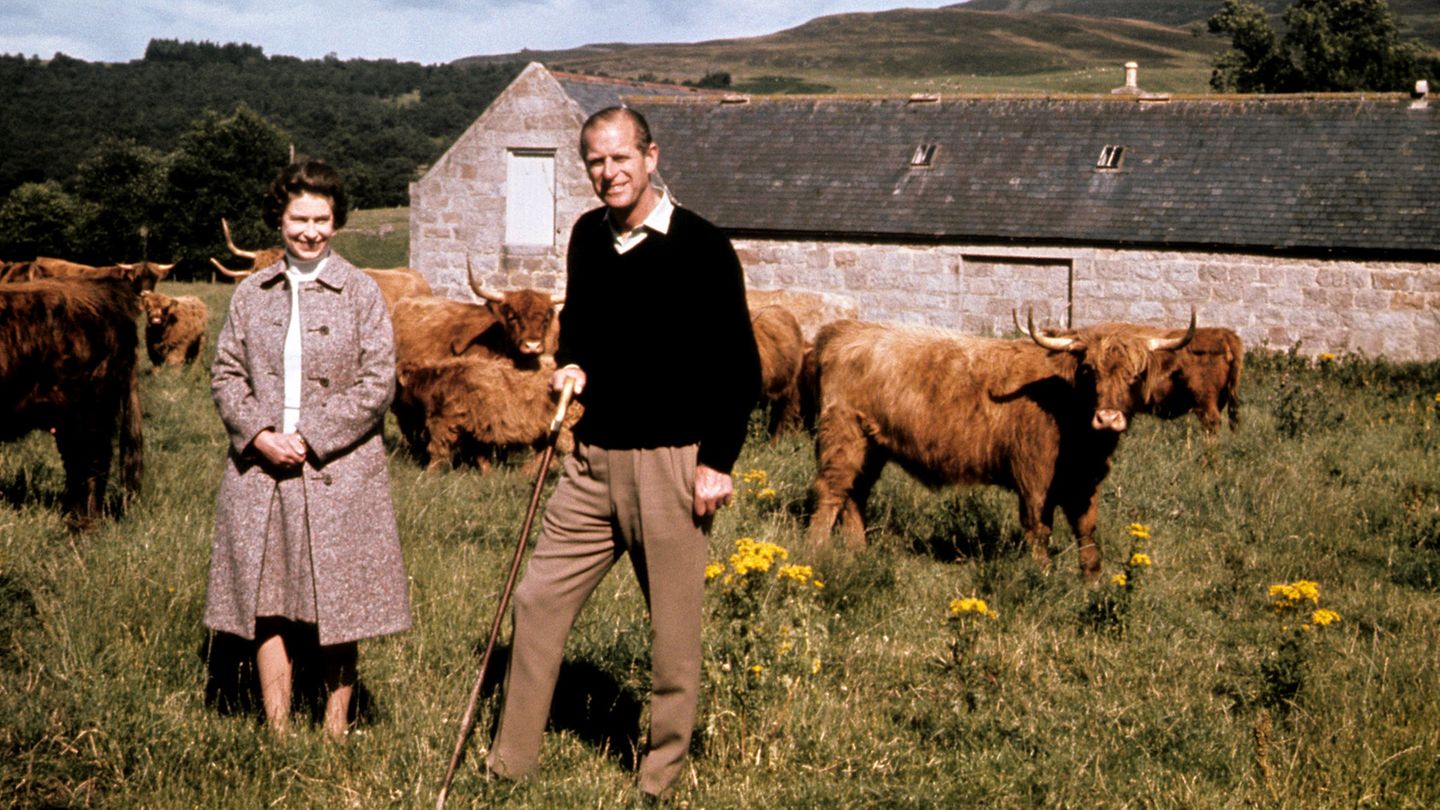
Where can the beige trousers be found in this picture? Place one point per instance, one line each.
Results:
(609, 502)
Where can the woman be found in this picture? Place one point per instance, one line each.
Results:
(305, 532)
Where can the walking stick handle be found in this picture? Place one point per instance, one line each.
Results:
(566, 393)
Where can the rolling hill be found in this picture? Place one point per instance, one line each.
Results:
(981, 46)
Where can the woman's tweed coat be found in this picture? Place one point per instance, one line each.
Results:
(348, 363)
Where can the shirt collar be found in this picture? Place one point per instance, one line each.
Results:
(658, 221)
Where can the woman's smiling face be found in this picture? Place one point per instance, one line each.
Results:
(307, 225)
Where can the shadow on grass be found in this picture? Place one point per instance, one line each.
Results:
(232, 684)
(589, 703)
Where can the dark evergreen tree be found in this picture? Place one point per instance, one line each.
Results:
(1328, 46)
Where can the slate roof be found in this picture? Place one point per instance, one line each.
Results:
(595, 93)
(1315, 173)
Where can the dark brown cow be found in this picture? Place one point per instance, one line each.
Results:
(782, 350)
(67, 364)
(174, 329)
(476, 406)
(1203, 378)
(141, 276)
(1039, 416)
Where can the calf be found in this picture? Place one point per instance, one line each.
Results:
(472, 407)
(174, 329)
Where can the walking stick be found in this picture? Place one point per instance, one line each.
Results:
(467, 723)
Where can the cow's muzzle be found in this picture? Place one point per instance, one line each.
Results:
(1109, 419)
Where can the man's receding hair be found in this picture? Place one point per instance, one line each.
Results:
(605, 116)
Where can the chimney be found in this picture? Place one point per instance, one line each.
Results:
(1132, 83)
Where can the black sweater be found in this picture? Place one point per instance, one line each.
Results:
(663, 335)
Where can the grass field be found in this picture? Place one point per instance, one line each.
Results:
(1185, 690)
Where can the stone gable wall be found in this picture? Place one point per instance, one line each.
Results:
(458, 207)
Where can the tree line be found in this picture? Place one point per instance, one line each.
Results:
(118, 162)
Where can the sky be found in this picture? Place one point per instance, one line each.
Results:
(424, 31)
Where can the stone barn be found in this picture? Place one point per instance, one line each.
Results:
(1308, 219)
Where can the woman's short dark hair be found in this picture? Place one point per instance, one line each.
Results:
(314, 176)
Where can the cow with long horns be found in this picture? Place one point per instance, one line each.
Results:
(1040, 416)
(395, 282)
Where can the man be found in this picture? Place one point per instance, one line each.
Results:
(656, 337)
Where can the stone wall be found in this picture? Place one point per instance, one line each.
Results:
(1371, 307)
(458, 208)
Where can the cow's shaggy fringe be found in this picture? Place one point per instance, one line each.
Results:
(104, 664)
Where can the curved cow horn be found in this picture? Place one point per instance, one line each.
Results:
(227, 271)
(1173, 344)
(488, 295)
(1054, 344)
(230, 243)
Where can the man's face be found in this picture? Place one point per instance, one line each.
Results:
(619, 170)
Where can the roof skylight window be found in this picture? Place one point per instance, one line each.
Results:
(924, 156)
(1110, 157)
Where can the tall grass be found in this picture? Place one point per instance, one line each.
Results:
(1334, 477)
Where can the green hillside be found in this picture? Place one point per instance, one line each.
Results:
(1419, 19)
(956, 49)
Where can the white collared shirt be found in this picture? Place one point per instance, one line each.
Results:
(658, 221)
(296, 273)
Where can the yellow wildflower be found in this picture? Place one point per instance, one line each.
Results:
(815, 667)
(1324, 616)
(970, 604)
(818, 584)
(765, 494)
(757, 669)
(1139, 531)
(1289, 595)
(713, 570)
(1139, 558)
(755, 476)
(1437, 399)
(1327, 357)
(752, 555)
(1119, 580)
(798, 573)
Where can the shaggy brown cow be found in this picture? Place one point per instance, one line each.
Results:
(517, 326)
(395, 282)
(67, 364)
(782, 350)
(141, 276)
(813, 310)
(259, 259)
(475, 406)
(1203, 378)
(1039, 416)
(174, 329)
